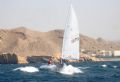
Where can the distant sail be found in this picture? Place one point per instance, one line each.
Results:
(70, 48)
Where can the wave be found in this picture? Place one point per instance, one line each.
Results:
(69, 70)
(114, 66)
(51, 67)
(83, 67)
(109, 66)
(104, 65)
(29, 69)
(65, 69)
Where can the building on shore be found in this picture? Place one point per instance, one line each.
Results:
(101, 53)
(116, 53)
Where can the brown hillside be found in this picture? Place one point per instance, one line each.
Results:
(25, 42)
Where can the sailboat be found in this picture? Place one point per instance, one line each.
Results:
(71, 45)
(70, 48)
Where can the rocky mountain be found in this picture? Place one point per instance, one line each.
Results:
(25, 42)
(92, 44)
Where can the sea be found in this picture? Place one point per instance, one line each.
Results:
(69, 72)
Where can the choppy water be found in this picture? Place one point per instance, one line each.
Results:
(81, 72)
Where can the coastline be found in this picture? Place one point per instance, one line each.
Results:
(111, 59)
(15, 59)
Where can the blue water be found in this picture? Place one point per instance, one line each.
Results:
(94, 72)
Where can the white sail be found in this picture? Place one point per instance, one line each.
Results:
(70, 48)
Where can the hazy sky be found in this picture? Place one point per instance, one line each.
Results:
(97, 18)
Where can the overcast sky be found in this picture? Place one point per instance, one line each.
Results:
(97, 18)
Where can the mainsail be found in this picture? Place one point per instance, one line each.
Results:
(70, 48)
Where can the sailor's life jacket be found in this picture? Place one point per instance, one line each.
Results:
(49, 61)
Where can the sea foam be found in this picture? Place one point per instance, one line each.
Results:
(51, 67)
(69, 70)
(104, 65)
(114, 66)
(83, 67)
(29, 69)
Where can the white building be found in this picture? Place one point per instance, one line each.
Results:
(105, 53)
(117, 53)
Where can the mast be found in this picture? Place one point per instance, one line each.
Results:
(68, 17)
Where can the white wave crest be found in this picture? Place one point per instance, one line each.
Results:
(114, 66)
(51, 67)
(70, 70)
(29, 69)
(104, 65)
(83, 67)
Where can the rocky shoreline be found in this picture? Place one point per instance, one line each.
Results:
(8, 58)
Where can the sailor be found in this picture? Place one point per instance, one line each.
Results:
(49, 61)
